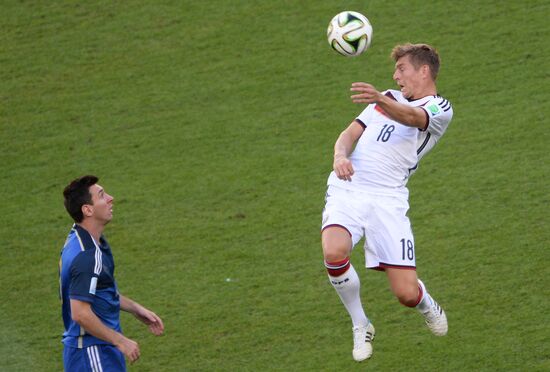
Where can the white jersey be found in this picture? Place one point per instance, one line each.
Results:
(388, 152)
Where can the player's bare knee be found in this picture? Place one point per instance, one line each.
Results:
(335, 254)
(408, 297)
(409, 302)
(336, 244)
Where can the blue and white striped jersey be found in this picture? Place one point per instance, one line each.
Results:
(86, 273)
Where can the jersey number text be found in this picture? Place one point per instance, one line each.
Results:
(386, 132)
(408, 249)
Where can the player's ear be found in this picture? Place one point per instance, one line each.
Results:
(426, 71)
(87, 210)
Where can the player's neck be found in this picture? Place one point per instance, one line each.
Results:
(94, 229)
(427, 90)
(423, 90)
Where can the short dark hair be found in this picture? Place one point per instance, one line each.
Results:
(420, 54)
(76, 194)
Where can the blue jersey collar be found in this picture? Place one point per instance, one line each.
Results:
(87, 240)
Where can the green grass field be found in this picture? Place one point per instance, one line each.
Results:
(212, 123)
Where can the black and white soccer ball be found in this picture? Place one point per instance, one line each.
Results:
(349, 33)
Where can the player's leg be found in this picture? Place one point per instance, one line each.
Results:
(392, 240)
(340, 232)
(404, 285)
(337, 245)
(411, 292)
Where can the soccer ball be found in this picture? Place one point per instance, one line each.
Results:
(349, 33)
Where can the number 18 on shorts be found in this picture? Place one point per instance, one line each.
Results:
(381, 219)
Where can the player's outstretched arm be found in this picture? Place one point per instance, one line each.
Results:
(82, 313)
(406, 115)
(143, 314)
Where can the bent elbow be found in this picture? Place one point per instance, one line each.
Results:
(77, 317)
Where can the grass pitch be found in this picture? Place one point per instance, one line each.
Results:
(212, 124)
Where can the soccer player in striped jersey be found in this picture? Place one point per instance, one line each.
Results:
(91, 304)
(367, 194)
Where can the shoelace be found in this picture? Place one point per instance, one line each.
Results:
(433, 314)
(359, 335)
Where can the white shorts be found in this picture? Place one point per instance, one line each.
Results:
(380, 218)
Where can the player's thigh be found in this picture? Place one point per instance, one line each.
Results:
(341, 228)
(389, 233)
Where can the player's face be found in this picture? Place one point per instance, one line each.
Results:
(407, 77)
(102, 204)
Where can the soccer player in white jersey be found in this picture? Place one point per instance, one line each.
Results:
(367, 194)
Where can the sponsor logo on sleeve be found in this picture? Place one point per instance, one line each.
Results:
(434, 109)
(93, 285)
